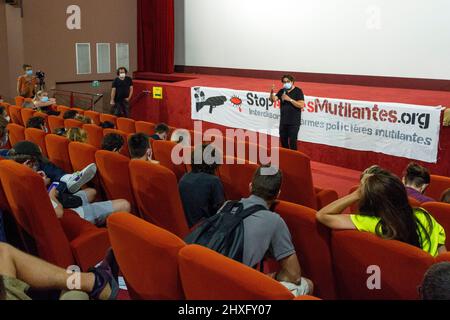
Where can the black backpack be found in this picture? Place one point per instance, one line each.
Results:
(224, 232)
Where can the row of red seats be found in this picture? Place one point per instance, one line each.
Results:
(157, 265)
(308, 242)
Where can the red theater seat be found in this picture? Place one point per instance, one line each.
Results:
(359, 255)
(55, 122)
(16, 133)
(107, 117)
(124, 151)
(145, 127)
(26, 114)
(437, 186)
(64, 242)
(94, 134)
(72, 123)
(94, 115)
(15, 114)
(58, 151)
(38, 137)
(126, 125)
(147, 256)
(208, 275)
(298, 185)
(236, 177)
(312, 242)
(115, 177)
(156, 191)
(162, 152)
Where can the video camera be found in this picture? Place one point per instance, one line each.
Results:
(41, 77)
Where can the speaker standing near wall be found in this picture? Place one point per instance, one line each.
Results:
(122, 91)
(292, 104)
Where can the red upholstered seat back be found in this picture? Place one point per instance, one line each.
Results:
(437, 186)
(400, 266)
(115, 177)
(16, 133)
(34, 212)
(156, 191)
(236, 178)
(208, 275)
(37, 136)
(297, 184)
(58, 151)
(126, 125)
(147, 256)
(94, 134)
(312, 242)
(162, 152)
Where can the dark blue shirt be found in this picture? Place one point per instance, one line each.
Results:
(202, 195)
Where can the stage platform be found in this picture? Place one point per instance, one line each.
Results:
(175, 110)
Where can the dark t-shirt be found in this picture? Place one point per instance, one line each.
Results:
(122, 88)
(202, 195)
(291, 115)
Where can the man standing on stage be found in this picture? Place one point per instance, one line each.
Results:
(292, 105)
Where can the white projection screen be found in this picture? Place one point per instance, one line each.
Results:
(399, 38)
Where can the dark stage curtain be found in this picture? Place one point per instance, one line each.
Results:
(156, 36)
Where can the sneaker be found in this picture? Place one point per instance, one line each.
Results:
(79, 179)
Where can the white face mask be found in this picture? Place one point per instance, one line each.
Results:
(122, 75)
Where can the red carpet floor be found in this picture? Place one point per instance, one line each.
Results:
(175, 110)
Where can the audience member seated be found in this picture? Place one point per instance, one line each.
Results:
(107, 125)
(161, 132)
(96, 213)
(436, 282)
(76, 135)
(113, 142)
(4, 114)
(384, 210)
(201, 191)
(140, 148)
(416, 180)
(70, 114)
(44, 104)
(266, 233)
(4, 137)
(60, 132)
(446, 196)
(37, 123)
(84, 119)
(73, 182)
(182, 136)
(20, 271)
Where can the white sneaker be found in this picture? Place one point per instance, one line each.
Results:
(78, 179)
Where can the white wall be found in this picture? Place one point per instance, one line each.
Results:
(403, 38)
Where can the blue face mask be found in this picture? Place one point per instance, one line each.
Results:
(45, 99)
(288, 85)
(29, 72)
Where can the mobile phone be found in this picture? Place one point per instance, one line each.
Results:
(54, 185)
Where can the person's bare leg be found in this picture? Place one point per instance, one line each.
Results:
(39, 274)
(121, 205)
(91, 194)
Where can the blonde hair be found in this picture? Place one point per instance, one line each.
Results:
(76, 135)
(84, 119)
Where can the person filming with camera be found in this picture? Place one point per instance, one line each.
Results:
(27, 83)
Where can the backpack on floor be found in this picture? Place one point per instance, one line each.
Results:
(224, 232)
